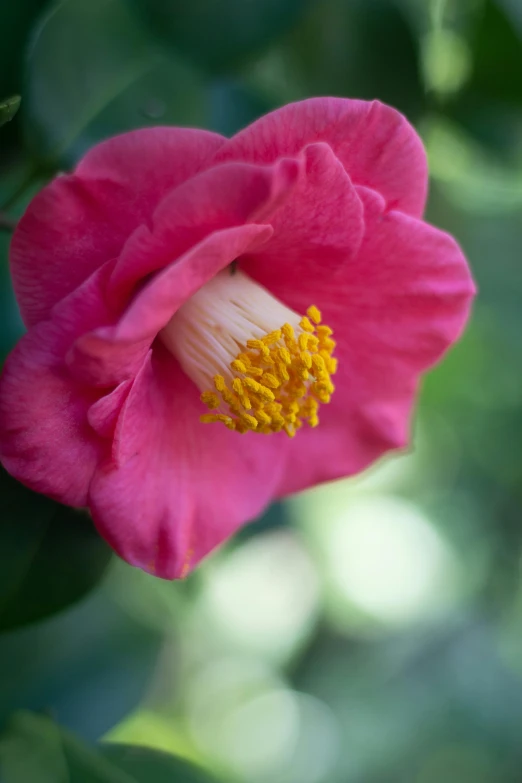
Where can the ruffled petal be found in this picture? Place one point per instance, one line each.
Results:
(46, 439)
(80, 221)
(223, 197)
(318, 230)
(394, 312)
(207, 215)
(151, 161)
(174, 488)
(376, 145)
(114, 353)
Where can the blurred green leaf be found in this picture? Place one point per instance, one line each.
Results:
(497, 54)
(93, 72)
(232, 106)
(218, 35)
(16, 19)
(490, 105)
(346, 48)
(16, 22)
(88, 666)
(50, 555)
(8, 108)
(31, 750)
(35, 750)
(147, 765)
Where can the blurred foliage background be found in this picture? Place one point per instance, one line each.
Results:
(368, 631)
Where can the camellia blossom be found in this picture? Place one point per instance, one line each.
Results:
(215, 323)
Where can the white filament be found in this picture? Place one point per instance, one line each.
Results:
(213, 326)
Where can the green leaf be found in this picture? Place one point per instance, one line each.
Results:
(69, 664)
(497, 54)
(8, 108)
(93, 72)
(16, 19)
(232, 106)
(34, 749)
(345, 48)
(219, 35)
(50, 555)
(151, 766)
(31, 750)
(490, 105)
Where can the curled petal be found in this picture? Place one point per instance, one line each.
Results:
(174, 489)
(80, 221)
(318, 230)
(45, 439)
(376, 145)
(223, 197)
(114, 353)
(394, 311)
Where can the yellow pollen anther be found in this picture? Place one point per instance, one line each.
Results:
(303, 341)
(255, 345)
(250, 421)
(231, 400)
(211, 400)
(318, 363)
(263, 417)
(246, 402)
(314, 314)
(288, 332)
(323, 331)
(219, 383)
(237, 386)
(238, 366)
(328, 344)
(272, 338)
(285, 355)
(259, 365)
(251, 384)
(270, 380)
(283, 372)
(276, 382)
(210, 418)
(306, 358)
(313, 343)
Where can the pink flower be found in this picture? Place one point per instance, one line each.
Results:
(142, 275)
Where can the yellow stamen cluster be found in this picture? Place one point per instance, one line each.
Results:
(276, 382)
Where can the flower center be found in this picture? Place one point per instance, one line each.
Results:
(260, 366)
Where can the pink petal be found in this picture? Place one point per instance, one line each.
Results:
(151, 161)
(45, 439)
(80, 221)
(222, 197)
(103, 414)
(177, 488)
(394, 311)
(375, 144)
(318, 229)
(114, 353)
(205, 215)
